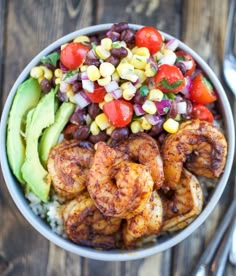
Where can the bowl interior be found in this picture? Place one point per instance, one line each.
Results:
(164, 242)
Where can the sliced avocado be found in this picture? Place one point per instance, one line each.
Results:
(27, 97)
(51, 134)
(33, 172)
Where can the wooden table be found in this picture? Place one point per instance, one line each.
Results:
(26, 27)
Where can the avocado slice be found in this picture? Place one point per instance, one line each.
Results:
(51, 134)
(27, 97)
(33, 172)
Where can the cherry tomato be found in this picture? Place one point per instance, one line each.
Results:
(98, 94)
(201, 112)
(201, 91)
(119, 112)
(150, 38)
(169, 78)
(74, 54)
(186, 57)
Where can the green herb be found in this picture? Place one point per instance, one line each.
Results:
(207, 83)
(166, 109)
(116, 45)
(70, 73)
(154, 70)
(138, 59)
(180, 59)
(170, 86)
(135, 117)
(51, 59)
(171, 96)
(144, 90)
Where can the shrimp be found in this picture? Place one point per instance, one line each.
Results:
(184, 205)
(143, 148)
(148, 222)
(119, 188)
(199, 146)
(86, 225)
(68, 165)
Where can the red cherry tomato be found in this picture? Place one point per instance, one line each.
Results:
(201, 112)
(169, 78)
(186, 57)
(201, 91)
(119, 112)
(98, 94)
(150, 38)
(74, 54)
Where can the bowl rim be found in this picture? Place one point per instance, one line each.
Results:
(114, 255)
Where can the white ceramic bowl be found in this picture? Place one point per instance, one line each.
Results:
(115, 255)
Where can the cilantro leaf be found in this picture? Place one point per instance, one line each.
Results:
(164, 82)
(51, 58)
(144, 90)
(181, 58)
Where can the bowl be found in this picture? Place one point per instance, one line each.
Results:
(115, 255)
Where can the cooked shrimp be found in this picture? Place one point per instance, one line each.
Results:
(184, 205)
(119, 188)
(199, 146)
(148, 222)
(143, 148)
(86, 225)
(68, 166)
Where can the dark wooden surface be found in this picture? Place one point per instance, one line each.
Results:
(26, 27)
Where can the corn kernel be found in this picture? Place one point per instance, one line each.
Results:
(108, 97)
(134, 49)
(150, 71)
(93, 73)
(145, 124)
(101, 52)
(104, 81)
(128, 90)
(57, 81)
(149, 107)
(136, 127)
(58, 73)
(83, 68)
(40, 79)
(94, 128)
(155, 95)
(141, 75)
(106, 69)
(70, 95)
(102, 121)
(109, 130)
(82, 39)
(126, 71)
(115, 76)
(142, 51)
(64, 45)
(36, 72)
(158, 55)
(171, 125)
(101, 104)
(124, 60)
(130, 54)
(47, 73)
(139, 62)
(106, 43)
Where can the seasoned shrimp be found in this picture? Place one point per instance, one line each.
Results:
(143, 148)
(148, 222)
(68, 166)
(199, 146)
(184, 205)
(86, 225)
(119, 188)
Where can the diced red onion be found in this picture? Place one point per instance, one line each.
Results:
(91, 54)
(138, 110)
(72, 78)
(163, 106)
(117, 93)
(173, 110)
(169, 59)
(182, 107)
(153, 119)
(81, 99)
(111, 86)
(88, 85)
(187, 87)
(64, 86)
(84, 76)
(172, 44)
(187, 64)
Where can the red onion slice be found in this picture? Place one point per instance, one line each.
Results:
(163, 106)
(112, 86)
(84, 76)
(88, 85)
(172, 44)
(81, 99)
(117, 93)
(71, 79)
(182, 107)
(138, 110)
(187, 87)
(169, 59)
(153, 119)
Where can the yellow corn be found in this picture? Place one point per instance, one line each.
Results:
(109, 130)
(64, 45)
(155, 95)
(36, 72)
(158, 55)
(145, 124)
(101, 52)
(126, 71)
(149, 107)
(47, 73)
(106, 69)
(130, 54)
(139, 62)
(58, 73)
(70, 94)
(141, 75)
(57, 81)
(136, 127)
(94, 128)
(128, 90)
(142, 51)
(102, 121)
(106, 43)
(149, 71)
(104, 81)
(115, 76)
(82, 39)
(93, 73)
(108, 97)
(83, 68)
(171, 125)
(40, 79)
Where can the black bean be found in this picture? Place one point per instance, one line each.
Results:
(76, 86)
(128, 35)
(120, 133)
(49, 66)
(93, 110)
(113, 60)
(63, 67)
(62, 96)
(94, 39)
(114, 36)
(78, 117)
(46, 85)
(173, 110)
(157, 129)
(92, 61)
(181, 67)
(81, 133)
(119, 52)
(102, 136)
(119, 27)
(161, 137)
(138, 98)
